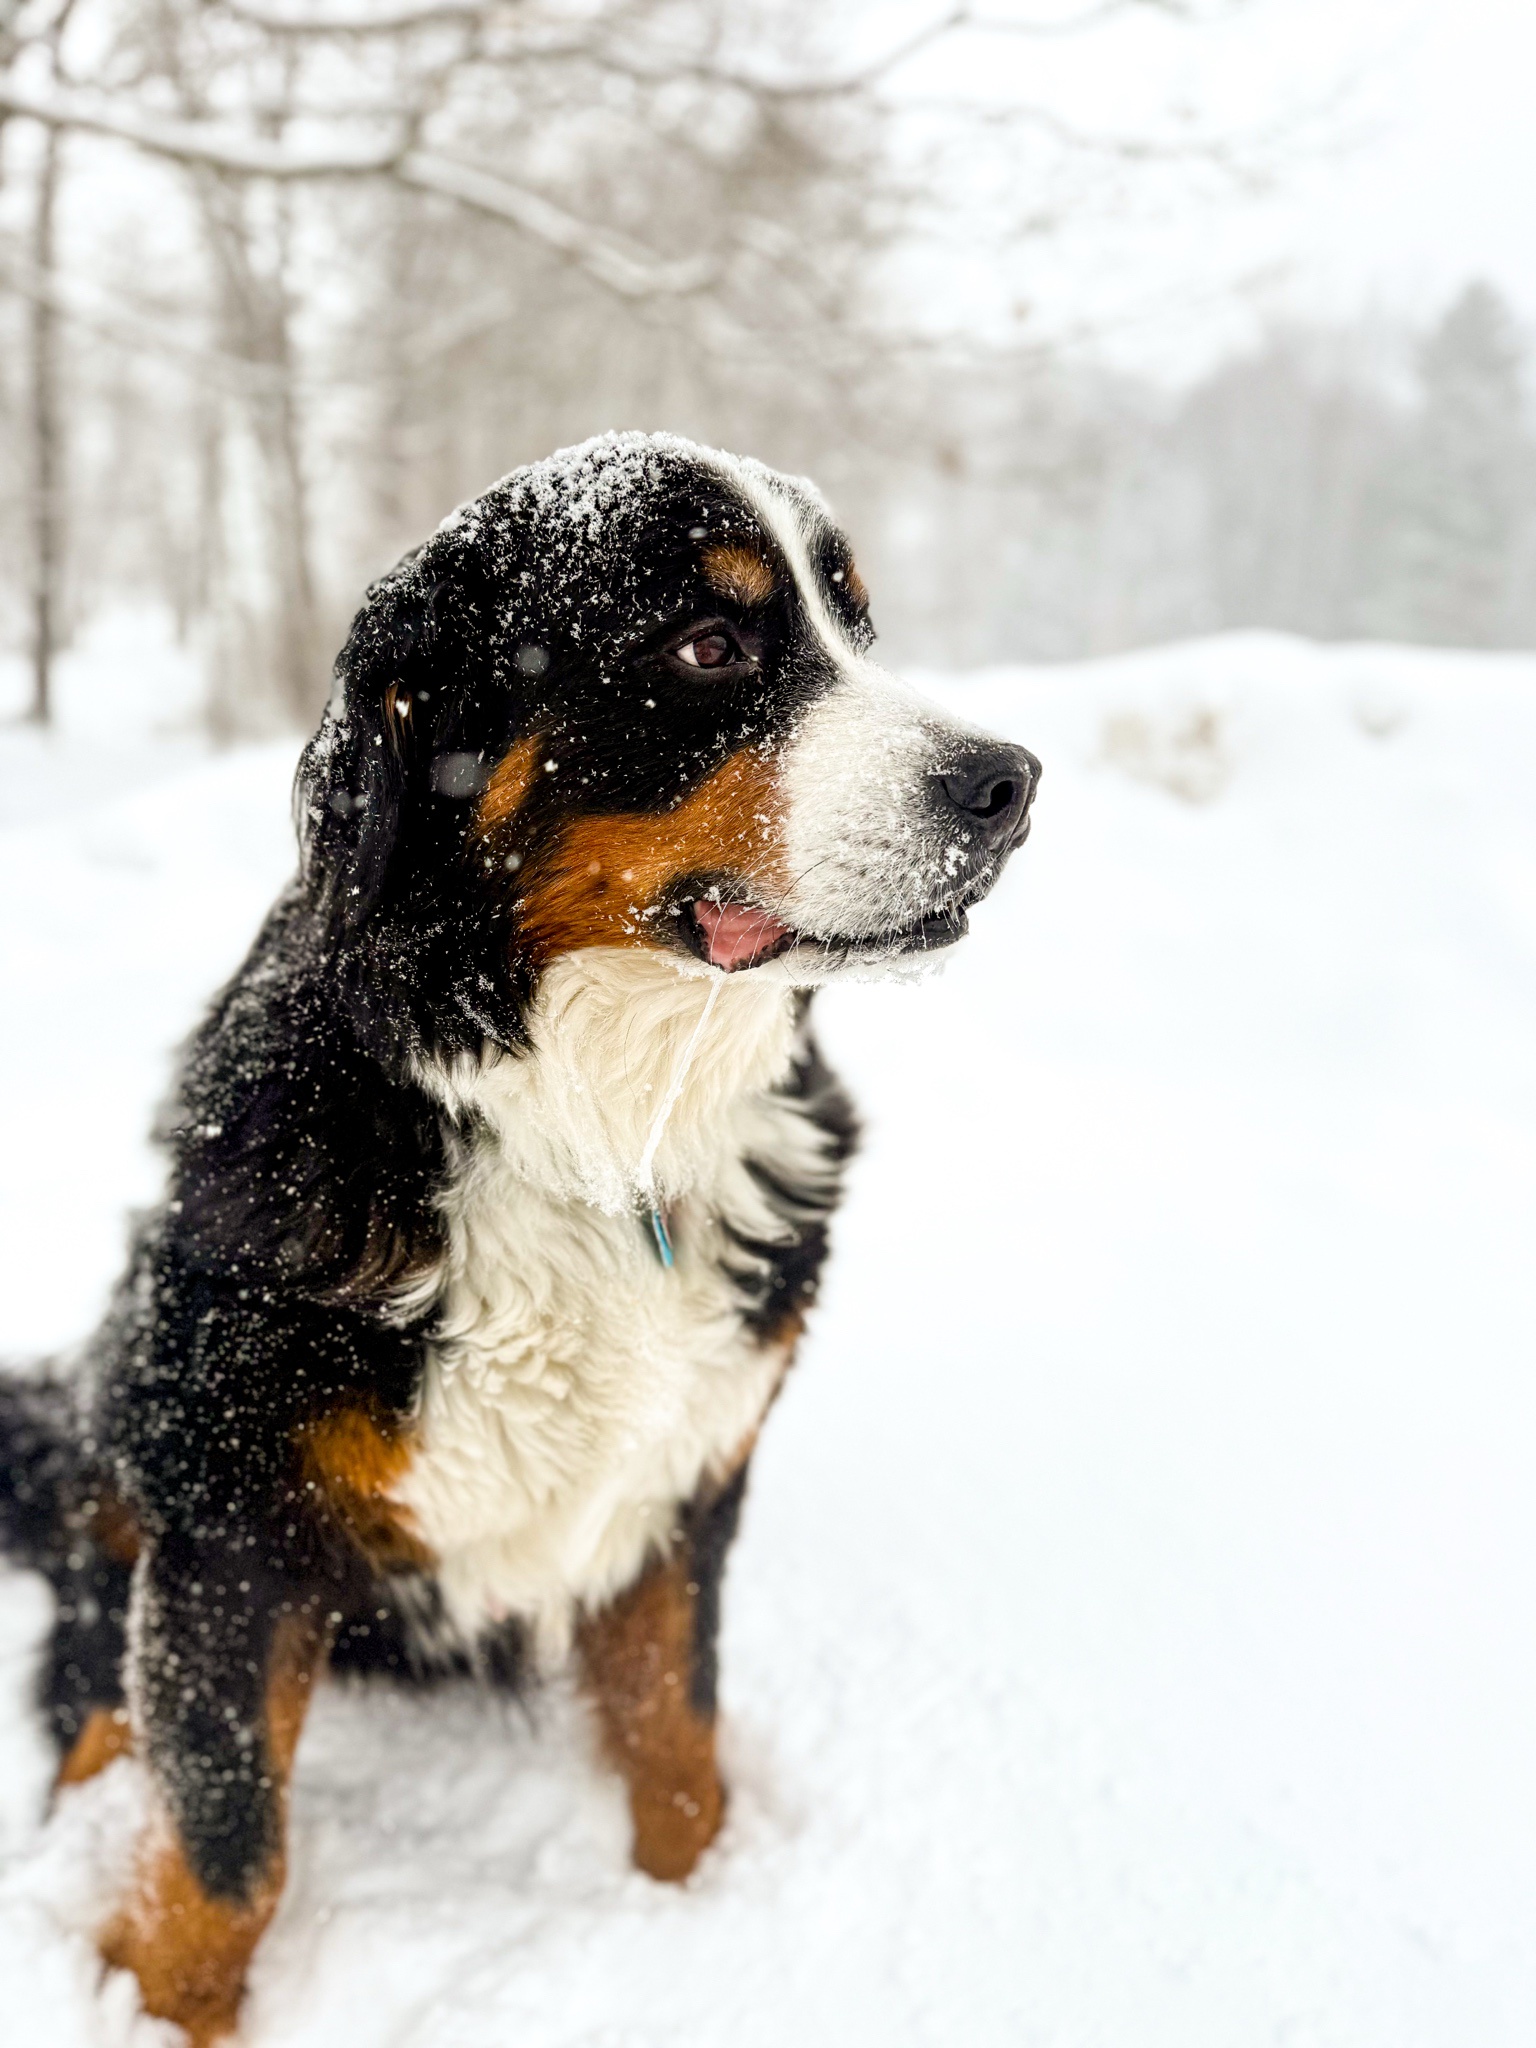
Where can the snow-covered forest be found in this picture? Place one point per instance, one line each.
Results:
(1368, 481)
(278, 285)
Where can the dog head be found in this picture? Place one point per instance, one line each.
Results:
(626, 699)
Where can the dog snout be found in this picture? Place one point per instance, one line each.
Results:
(992, 790)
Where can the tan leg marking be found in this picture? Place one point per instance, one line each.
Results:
(190, 1952)
(637, 1659)
(105, 1737)
(354, 1460)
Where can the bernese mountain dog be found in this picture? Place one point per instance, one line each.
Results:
(500, 1173)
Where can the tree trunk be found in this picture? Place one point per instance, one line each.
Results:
(47, 509)
(256, 319)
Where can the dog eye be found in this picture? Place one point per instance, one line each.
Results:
(709, 650)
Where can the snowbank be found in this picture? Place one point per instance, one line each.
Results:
(1130, 1639)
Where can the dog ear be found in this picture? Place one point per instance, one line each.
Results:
(355, 777)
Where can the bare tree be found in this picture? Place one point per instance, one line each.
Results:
(47, 512)
(45, 436)
(437, 118)
(439, 235)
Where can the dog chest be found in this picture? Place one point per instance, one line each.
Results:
(576, 1392)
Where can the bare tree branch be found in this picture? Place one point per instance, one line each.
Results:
(389, 18)
(957, 19)
(108, 315)
(216, 146)
(600, 255)
(399, 16)
(671, 64)
(198, 142)
(1090, 17)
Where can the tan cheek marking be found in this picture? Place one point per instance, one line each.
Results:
(354, 1461)
(855, 586)
(190, 1952)
(738, 573)
(603, 871)
(503, 795)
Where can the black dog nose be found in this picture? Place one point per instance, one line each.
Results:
(992, 789)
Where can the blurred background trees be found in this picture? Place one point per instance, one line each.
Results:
(283, 280)
(1362, 481)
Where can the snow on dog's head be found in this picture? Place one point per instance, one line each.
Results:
(626, 700)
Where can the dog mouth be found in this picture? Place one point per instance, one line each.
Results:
(737, 935)
(733, 936)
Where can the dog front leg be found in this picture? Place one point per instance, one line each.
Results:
(649, 1665)
(221, 1662)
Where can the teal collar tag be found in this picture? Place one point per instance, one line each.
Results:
(663, 1239)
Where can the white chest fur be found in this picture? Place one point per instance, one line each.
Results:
(577, 1390)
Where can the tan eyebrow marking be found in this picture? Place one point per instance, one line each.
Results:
(738, 573)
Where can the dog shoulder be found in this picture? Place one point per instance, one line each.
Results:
(288, 1274)
(300, 1153)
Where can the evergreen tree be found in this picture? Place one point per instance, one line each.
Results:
(1462, 507)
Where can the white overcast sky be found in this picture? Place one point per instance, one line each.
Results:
(1427, 178)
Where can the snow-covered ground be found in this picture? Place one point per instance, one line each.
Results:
(1131, 1642)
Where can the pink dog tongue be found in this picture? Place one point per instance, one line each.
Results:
(735, 934)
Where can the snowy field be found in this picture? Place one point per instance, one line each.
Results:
(1132, 1641)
